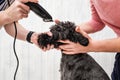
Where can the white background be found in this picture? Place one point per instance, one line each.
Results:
(38, 65)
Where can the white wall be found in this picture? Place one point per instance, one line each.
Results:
(36, 64)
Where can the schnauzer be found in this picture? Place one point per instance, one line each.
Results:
(79, 66)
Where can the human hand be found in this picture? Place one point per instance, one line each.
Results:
(49, 46)
(34, 40)
(17, 10)
(74, 48)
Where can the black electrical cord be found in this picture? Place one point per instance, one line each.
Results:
(15, 26)
(15, 51)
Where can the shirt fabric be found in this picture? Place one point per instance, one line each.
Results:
(116, 70)
(105, 12)
(4, 4)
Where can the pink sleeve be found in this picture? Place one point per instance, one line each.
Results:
(95, 22)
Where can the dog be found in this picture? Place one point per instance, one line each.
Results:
(79, 66)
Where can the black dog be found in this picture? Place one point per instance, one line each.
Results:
(79, 66)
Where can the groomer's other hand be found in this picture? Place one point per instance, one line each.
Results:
(75, 48)
(34, 39)
(48, 46)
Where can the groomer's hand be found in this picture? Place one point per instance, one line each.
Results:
(34, 39)
(48, 46)
(17, 10)
(75, 48)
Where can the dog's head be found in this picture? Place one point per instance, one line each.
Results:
(62, 31)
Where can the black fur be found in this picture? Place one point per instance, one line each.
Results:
(79, 66)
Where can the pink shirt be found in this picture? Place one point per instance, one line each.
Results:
(106, 12)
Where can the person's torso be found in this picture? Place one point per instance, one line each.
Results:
(109, 12)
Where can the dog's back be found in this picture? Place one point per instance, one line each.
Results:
(81, 67)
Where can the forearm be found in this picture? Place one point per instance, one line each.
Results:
(21, 31)
(109, 45)
(4, 19)
(88, 28)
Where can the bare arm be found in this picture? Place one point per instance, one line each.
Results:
(110, 45)
(3, 18)
(93, 25)
(86, 27)
(21, 31)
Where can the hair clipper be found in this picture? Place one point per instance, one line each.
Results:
(40, 11)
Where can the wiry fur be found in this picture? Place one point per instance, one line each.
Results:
(79, 66)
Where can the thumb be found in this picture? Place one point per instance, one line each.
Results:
(57, 21)
(77, 29)
(82, 32)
